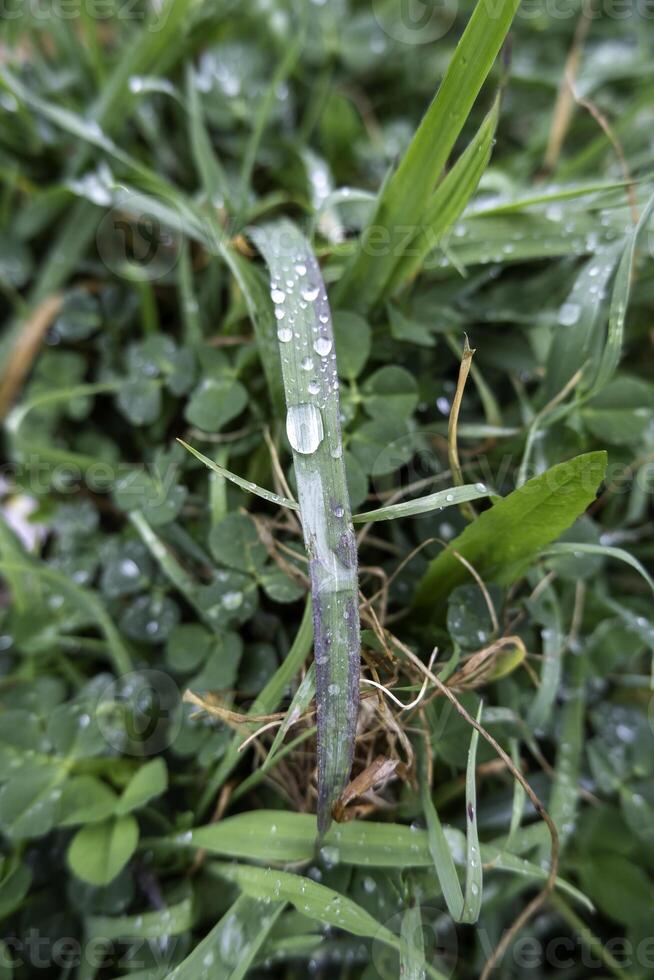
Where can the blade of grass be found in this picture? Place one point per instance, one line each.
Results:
(619, 301)
(364, 844)
(312, 899)
(272, 498)
(423, 505)
(474, 873)
(404, 199)
(250, 918)
(440, 851)
(314, 431)
(447, 203)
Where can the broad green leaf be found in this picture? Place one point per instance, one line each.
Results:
(150, 780)
(99, 851)
(576, 340)
(85, 799)
(215, 402)
(353, 339)
(235, 542)
(390, 391)
(502, 541)
(29, 801)
(14, 886)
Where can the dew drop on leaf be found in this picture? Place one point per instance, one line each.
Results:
(304, 428)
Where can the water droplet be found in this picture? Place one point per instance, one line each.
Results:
(307, 363)
(129, 568)
(277, 295)
(284, 334)
(313, 387)
(301, 269)
(304, 428)
(310, 293)
(338, 511)
(322, 346)
(569, 314)
(280, 314)
(232, 600)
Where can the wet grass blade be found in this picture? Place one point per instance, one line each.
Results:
(248, 485)
(474, 873)
(570, 742)
(412, 945)
(313, 427)
(313, 900)
(364, 844)
(229, 950)
(448, 202)
(575, 340)
(422, 505)
(404, 199)
(619, 301)
(441, 852)
(301, 701)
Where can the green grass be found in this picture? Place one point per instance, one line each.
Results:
(241, 249)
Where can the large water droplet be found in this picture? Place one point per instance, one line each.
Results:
(277, 295)
(322, 346)
(284, 334)
(304, 428)
(310, 293)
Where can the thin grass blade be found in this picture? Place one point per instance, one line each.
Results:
(248, 485)
(474, 873)
(423, 505)
(448, 202)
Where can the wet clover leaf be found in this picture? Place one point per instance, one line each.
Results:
(126, 568)
(390, 392)
(235, 542)
(160, 500)
(215, 402)
(150, 619)
(80, 316)
(231, 598)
